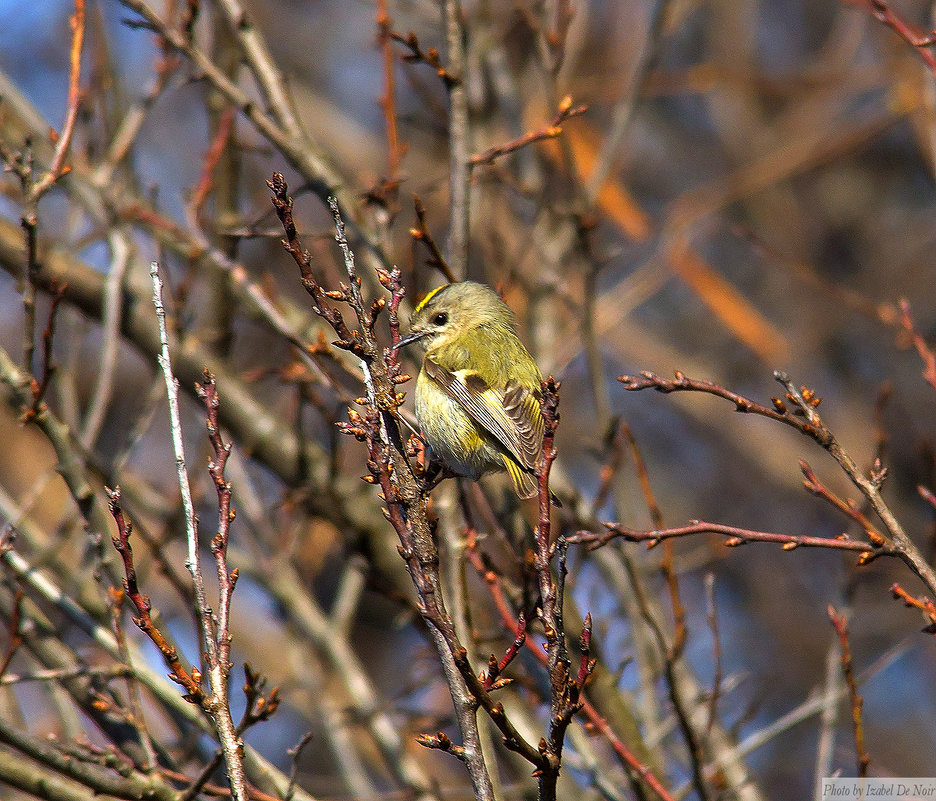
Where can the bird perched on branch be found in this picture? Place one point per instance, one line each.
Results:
(478, 392)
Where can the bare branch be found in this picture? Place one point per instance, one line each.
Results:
(214, 639)
(551, 131)
(841, 628)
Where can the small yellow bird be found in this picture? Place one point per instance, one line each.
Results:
(477, 395)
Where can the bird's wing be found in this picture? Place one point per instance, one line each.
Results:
(523, 408)
(512, 416)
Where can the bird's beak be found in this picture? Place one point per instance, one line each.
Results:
(414, 337)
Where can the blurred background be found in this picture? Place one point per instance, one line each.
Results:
(750, 189)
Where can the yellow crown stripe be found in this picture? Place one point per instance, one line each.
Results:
(430, 296)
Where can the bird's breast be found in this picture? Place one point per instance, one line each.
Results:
(450, 432)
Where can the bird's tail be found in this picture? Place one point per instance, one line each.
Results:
(524, 483)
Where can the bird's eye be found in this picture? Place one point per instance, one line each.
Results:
(440, 319)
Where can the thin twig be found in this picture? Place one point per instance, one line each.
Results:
(429, 56)
(208, 392)
(187, 677)
(153, 679)
(551, 131)
(564, 689)
(681, 703)
(40, 386)
(310, 162)
(926, 354)
(294, 753)
(712, 617)
(624, 108)
(841, 628)
(58, 168)
(395, 150)
(813, 485)
(33, 189)
(925, 605)
(71, 462)
(631, 763)
(210, 162)
(134, 698)
(736, 536)
(421, 234)
(882, 11)
(870, 485)
(191, 521)
(666, 564)
(166, 64)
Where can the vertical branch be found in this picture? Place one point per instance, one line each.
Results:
(110, 334)
(712, 615)
(191, 521)
(388, 100)
(666, 565)
(185, 677)
(129, 127)
(134, 697)
(564, 691)
(624, 108)
(262, 66)
(681, 704)
(29, 223)
(459, 143)
(41, 385)
(596, 373)
(34, 189)
(217, 649)
(407, 511)
(14, 635)
(841, 628)
(208, 393)
(405, 496)
(220, 177)
(832, 691)
(58, 168)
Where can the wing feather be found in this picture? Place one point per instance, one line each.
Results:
(525, 484)
(512, 416)
(523, 408)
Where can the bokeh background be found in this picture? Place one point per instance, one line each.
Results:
(751, 188)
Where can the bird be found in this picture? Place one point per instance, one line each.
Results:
(478, 390)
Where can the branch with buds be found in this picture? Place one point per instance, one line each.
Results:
(404, 489)
(796, 409)
(214, 700)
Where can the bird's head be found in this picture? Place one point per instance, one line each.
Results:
(453, 309)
